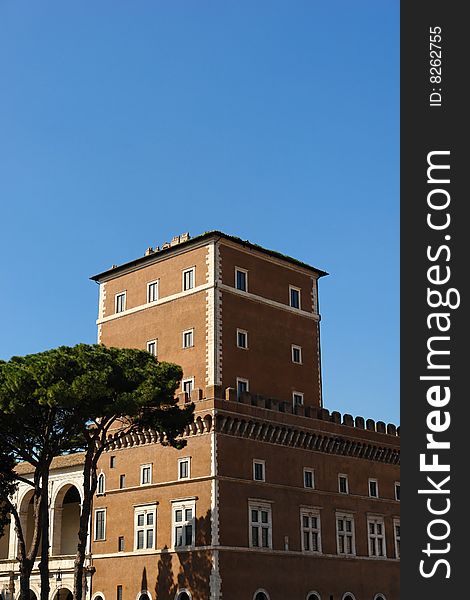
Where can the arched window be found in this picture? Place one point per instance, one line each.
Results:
(313, 596)
(144, 596)
(379, 597)
(183, 595)
(100, 488)
(261, 595)
(348, 596)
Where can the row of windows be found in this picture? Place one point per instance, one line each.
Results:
(145, 521)
(310, 523)
(184, 472)
(260, 529)
(259, 474)
(188, 279)
(260, 594)
(243, 385)
(263, 595)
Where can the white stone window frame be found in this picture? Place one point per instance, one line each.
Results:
(313, 595)
(241, 270)
(310, 512)
(397, 485)
(352, 533)
(122, 294)
(153, 342)
(299, 348)
(373, 480)
(376, 520)
(348, 594)
(245, 333)
(262, 591)
(259, 461)
(312, 471)
(260, 506)
(192, 279)
(185, 459)
(142, 470)
(299, 395)
(145, 509)
(396, 538)
(101, 489)
(380, 596)
(95, 525)
(340, 476)
(183, 505)
(150, 284)
(189, 380)
(179, 594)
(242, 380)
(190, 334)
(293, 288)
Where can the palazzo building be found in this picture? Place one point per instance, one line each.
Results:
(274, 497)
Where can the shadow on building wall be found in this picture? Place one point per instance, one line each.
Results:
(186, 570)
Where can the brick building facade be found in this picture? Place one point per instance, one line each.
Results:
(274, 497)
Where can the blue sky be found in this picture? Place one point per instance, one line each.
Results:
(123, 124)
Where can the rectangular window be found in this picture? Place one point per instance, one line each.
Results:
(145, 474)
(188, 338)
(343, 484)
(259, 467)
(100, 524)
(188, 278)
(241, 279)
(309, 479)
(397, 490)
(188, 385)
(296, 354)
(152, 291)
(373, 488)
(260, 533)
(242, 386)
(294, 297)
(376, 535)
(297, 399)
(396, 531)
(242, 338)
(311, 535)
(184, 523)
(112, 462)
(152, 347)
(122, 481)
(121, 543)
(145, 519)
(345, 534)
(119, 592)
(120, 302)
(183, 468)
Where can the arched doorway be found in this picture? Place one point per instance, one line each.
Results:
(66, 521)
(26, 514)
(63, 593)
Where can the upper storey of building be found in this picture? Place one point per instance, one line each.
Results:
(231, 313)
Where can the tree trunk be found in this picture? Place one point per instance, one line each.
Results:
(25, 574)
(89, 487)
(44, 515)
(26, 565)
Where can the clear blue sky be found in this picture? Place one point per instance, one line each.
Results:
(125, 123)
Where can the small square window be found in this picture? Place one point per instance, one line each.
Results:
(242, 386)
(152, 291)
(183, 468)
(242, 339)
(343, 484)
(120, 302)
(309, 480)
(112, 462)
(122, 481)
(145, 474)
(188, 385)
(188, 338)
(241, 279)
(121, 543)
(373, 488)
(294, 297)
(188, 278)
(297, 399)
(397, 490)
(152, 347)
(259, 470)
